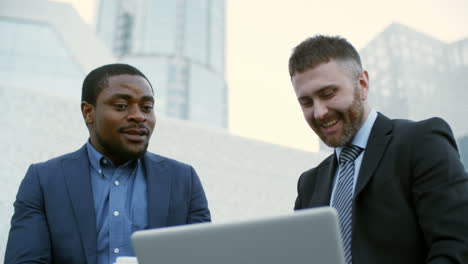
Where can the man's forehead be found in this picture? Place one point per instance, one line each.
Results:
(136, 83)
(128, 78)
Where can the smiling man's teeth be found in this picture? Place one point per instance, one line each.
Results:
(329, 123)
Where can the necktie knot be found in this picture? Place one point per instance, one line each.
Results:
(350, 153)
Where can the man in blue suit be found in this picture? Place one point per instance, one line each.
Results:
(83, 206)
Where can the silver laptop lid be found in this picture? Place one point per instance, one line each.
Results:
(306, 236)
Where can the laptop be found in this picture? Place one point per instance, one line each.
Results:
(306, 236)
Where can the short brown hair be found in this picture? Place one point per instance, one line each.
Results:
(321, 49)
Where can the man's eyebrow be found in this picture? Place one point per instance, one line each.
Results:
(330, 86)
(120, 96)
(319, 91)
(128, 97)
(148, 98)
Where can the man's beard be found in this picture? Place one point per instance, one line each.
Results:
(352, 119)
(119, 151)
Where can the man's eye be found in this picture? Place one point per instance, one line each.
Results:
(147, 108)
(305, 102)
(327, 94)
(120, 107)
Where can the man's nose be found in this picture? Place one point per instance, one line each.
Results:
(136, 114)
(320, 110)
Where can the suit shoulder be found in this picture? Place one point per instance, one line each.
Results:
(56, 161)
(435, 123)
(50, 170)
(324, 164)
(429, 121)
(430, 124)
(169, 161)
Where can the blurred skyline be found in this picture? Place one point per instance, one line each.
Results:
(259, 38)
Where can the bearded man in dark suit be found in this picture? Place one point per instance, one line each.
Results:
(399, 188)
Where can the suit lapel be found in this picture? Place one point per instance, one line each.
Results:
(78, 183)
(378, 141)
(324, 182)
(159, 190)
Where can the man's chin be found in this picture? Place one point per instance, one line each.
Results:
(332, 144)
(331, 141)
(341, 141)
(134, 153)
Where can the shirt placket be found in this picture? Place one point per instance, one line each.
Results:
(117, 194)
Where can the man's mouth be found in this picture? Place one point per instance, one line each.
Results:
(135, 133)
(329, 123)
(135, 130)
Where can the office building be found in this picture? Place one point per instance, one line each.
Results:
(179, 44)
(42, 47)
(415, 76)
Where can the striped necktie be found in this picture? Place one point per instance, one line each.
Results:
(343, 197)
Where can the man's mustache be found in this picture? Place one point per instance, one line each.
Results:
(134, 126)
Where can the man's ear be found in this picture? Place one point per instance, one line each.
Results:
(87, 110)
(363, 83)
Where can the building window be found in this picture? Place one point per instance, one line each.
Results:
(123, 41)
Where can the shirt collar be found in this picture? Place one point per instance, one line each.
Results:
(97, 159)
(362, 136)
(94, 156)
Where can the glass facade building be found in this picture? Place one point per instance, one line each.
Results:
(47, 47)
(180, 45)
(34, 56)
(415, 76)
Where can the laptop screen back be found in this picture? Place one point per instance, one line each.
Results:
(307, 236)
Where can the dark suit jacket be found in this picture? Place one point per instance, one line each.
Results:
(54, 219)
(411, 198)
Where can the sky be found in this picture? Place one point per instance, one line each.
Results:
(260, 35)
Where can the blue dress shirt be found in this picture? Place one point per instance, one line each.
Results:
(120, 203)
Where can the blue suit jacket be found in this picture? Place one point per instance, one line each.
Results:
(54, 219)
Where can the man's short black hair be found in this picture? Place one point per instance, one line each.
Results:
(98, 78)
